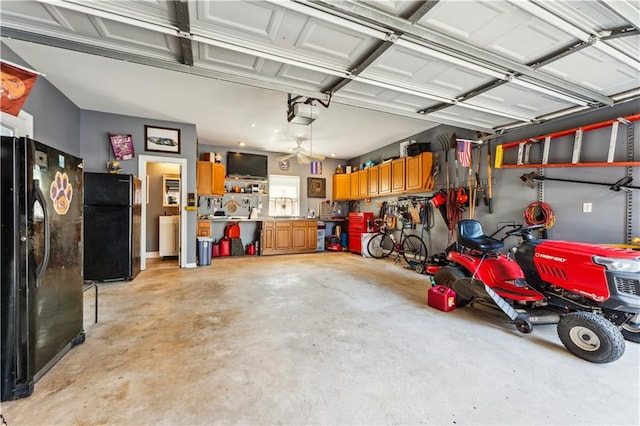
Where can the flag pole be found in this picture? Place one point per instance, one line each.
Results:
(22, 68)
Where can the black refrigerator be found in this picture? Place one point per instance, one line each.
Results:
(41, 261)
(112, 206)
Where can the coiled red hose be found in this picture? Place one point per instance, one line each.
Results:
(539, 213)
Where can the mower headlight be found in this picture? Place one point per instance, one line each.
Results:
(619, 265)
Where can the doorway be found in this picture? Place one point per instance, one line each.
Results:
(22, 125)
(160, 210)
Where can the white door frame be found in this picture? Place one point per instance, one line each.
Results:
(22, 125)
(142, 171)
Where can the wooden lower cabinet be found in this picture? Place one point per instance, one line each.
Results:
(288, 237)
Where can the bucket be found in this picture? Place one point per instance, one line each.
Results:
(442, 298)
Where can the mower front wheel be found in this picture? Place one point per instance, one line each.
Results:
(591, 337)
(446, 276)
(631, 329)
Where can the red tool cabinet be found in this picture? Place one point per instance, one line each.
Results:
(359, 223)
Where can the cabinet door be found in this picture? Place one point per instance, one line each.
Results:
(373, 180)
(299, 236)
(168, 238)
(414, 173)
(267, 245)
(312, 235)
(354, 187)
(363, 183)
(283, 236)
(217, 179)
(385, 178)
(426, 165)
(341, 187)
(397, 175)
(204, 228)
(204, 171)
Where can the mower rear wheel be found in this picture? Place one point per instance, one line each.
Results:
(446, 276)
(591, 337)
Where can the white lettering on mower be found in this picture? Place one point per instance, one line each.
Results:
(549, 257)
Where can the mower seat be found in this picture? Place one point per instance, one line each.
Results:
(471, 235)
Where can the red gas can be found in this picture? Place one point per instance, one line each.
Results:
(441, 297)
(225, 247)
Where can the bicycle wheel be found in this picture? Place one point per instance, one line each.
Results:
(414, 250)
(380, 246)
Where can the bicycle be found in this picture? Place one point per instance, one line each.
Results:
(411, 247)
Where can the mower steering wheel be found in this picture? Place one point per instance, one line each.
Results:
(525, 231)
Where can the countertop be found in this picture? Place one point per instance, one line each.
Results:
(265, 218)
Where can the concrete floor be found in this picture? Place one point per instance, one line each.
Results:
(327, 338)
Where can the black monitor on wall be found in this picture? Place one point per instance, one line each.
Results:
(243, 165)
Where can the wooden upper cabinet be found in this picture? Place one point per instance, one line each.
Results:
(204, 173)
(384, 171)
(363, 183)
(414, 173)
(397, 175)
(210, 178)
(355, 186)
(218, 179)
(373, 180)
(420, 172)
(341, 187)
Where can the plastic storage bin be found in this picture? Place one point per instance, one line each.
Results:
(204, 250)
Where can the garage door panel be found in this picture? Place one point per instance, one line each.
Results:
(427, 74)
(471, 116)
(90, 30)
(272, 28)
(521, 100)
(594, 69)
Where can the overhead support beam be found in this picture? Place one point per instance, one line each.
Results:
(454, 49)
(156, 63)
(382, 47)
(625, 9)
(620, 32)
(184, 26)
(420, 13)
(361, 66)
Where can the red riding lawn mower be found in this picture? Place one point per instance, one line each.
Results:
(591, 292)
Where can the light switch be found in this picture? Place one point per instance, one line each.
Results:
(586, 207)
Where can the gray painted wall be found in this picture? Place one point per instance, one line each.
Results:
(606, 223)
(95, 149)
(56, 120)
(329, 166)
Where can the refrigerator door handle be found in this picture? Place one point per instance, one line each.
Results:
(42, 267)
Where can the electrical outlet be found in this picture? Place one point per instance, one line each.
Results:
(586, 207)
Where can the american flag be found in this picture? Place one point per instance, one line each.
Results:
(464, 153)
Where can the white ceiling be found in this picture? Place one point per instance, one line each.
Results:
(387, 69)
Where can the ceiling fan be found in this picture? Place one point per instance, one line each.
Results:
(301, 154)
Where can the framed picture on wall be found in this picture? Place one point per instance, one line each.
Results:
(162, 139)
(316, 187)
